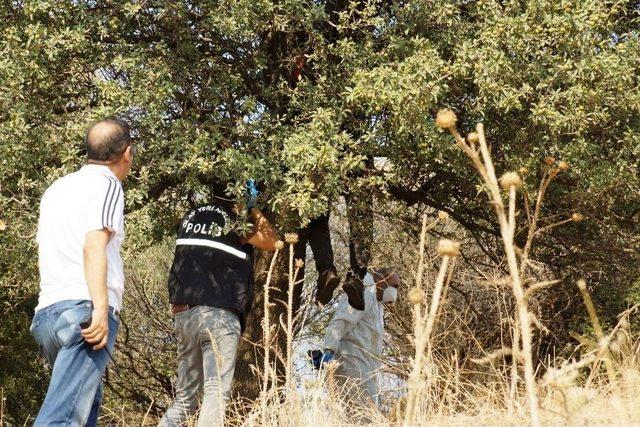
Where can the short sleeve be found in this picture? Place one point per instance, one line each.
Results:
(105, 206)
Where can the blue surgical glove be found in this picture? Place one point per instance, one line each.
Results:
(251, 194)
(327, 357)
(319, 358)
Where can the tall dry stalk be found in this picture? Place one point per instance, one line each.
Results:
(482, 162)
(293, 274)
(425, 318)
(266, 330)
(597, 329)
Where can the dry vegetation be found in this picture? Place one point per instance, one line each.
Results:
(444, 363)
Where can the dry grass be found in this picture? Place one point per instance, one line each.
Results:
(597, 384)
(437, 391)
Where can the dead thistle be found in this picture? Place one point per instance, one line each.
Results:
(506, 218)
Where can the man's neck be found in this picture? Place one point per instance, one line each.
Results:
(113, 167)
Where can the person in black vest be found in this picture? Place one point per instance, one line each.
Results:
(210, 291)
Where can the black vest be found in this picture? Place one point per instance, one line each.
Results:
(211, 266)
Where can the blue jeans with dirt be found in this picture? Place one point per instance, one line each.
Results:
(208, 340)
(75, 390)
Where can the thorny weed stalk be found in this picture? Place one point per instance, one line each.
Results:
(424, 318)
(292, 239)
(266, 331)
(476, 148)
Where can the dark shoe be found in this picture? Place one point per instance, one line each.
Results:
(327, 283)
(354, 288)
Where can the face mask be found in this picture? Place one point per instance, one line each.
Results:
(390, 294)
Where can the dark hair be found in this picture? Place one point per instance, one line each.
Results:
(107, 139)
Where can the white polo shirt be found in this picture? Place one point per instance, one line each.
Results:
(87, 200)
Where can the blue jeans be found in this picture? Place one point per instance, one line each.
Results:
(207, 343)
(75, 390)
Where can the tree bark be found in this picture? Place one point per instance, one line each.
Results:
(247, 380)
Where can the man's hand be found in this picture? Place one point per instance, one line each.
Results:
(95, 272)
(98, 331)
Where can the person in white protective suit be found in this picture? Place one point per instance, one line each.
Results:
(355, 337)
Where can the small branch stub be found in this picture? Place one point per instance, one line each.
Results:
(473, 138)
(443, 216)
(510, 179)
(446, 119)
(449, 248)
(3, 225)
(582, 285)
(563, 166)
(577, 217)
(549, 160)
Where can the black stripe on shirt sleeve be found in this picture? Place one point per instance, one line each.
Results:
(111, 203)
(104, 205)
(115, 203)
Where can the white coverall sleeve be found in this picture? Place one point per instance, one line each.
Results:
(344, 319)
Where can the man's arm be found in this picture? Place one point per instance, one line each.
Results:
(263, 236)
(344, 319)
(95, 273)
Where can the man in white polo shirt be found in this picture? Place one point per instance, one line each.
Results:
(80, 231)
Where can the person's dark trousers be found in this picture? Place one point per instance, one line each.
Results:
(360, 218)
(317, 234)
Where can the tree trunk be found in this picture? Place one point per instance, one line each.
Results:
(247, 381)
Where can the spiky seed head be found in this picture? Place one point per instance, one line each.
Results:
(415, 296)
(279, 245)
(299, 263)
(624, 322)
(446, 119)
(448, 247)
(3, 225)
(557, 378)
(473, 138)
(577, 217)
(443, 216)
(291, 238)
(510, 179)
(614, 344)
(563, 166)
(523, 171)
(577, 397)
(549, 160)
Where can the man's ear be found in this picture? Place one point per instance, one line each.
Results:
(128, 153)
